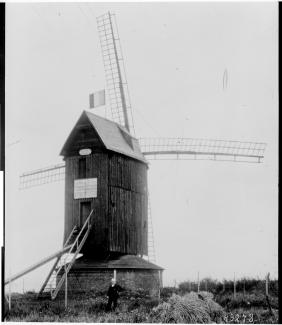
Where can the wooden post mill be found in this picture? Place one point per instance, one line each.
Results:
(106, 171)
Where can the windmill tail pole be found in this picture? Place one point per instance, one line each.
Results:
(35, 266)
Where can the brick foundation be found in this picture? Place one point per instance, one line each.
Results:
(83, 280)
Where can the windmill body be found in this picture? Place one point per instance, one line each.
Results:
(106, 172)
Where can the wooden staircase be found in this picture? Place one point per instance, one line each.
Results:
(64, 262)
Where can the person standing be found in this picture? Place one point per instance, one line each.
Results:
(113, 294)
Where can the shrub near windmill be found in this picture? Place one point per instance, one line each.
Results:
(106, 193)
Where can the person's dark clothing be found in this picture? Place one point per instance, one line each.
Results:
(113, 294)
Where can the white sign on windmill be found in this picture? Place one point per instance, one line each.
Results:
(85, 188)
(97, 99)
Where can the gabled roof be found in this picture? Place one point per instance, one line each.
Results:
(113, 136)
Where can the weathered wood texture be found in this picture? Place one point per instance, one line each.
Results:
(96, 167)
(84, 136)
(120, 209)
(127, 205)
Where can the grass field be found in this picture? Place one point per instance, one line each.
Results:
(174, 306)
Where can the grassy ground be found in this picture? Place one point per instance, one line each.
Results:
(81, 309)
(186, 308)
(249, 308)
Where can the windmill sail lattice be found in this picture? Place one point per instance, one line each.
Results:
(166, 149)
(117, 87)
(190, 148)
(54, 173)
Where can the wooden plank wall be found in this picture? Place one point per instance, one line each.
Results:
(96, 167)
(83, 136)
(120, 221)
(127, 205)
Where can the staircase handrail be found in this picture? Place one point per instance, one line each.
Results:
(79, 246)
(55, 264)
(75, 243)
(81, 230)
(70, 235)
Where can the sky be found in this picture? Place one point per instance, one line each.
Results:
(215, 218)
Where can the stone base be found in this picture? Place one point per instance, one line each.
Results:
(95, 276)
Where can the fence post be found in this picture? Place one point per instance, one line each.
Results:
(66, 288)
(10, 299)
(206, 285)
(234, 286)
(198, 282)
(267, 284)
(267, 292)
(244, 288)
(115, 274)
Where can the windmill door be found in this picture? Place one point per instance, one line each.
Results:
(85, 208)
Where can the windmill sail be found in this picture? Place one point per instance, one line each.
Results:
(190, 148)
(166, 149)
(115, 71)
(54, 173)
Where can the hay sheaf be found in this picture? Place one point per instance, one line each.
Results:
(189, 308)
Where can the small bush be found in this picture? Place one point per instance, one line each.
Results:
(245, 301)
(97, 304)
(167, 292)
(145, 304)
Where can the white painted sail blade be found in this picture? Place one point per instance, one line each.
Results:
(97, 99)
(190, 148)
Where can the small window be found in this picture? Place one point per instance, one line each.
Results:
(82, 168)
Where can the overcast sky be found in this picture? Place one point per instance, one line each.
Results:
(213, 217)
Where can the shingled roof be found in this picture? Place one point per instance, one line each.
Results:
(113, 136)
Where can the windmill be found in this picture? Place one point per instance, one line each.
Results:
(154, 148)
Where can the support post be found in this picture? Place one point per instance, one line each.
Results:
(115, 274)
(198, 282)
(160, 283)
(66, 288)
(42, 262)
(234, 286)
(10, 298)
(161, 278)
(23, 285)
(244, 288)
(267, 292)
(266, 284)
(206, 285)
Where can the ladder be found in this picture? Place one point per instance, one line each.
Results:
(64, 262)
